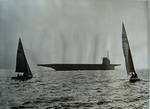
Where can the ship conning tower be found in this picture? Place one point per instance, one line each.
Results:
(106, 61)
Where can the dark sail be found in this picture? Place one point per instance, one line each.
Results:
(21, 61)
(127, 52)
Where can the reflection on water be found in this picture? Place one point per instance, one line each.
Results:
(74, 90)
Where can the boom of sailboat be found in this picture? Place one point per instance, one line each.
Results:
(22, 65)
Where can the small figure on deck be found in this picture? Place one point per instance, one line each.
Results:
(18, 75)
(133, 75)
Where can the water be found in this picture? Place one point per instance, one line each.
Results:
(74, 90)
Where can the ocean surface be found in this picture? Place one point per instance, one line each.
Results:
(74, 90)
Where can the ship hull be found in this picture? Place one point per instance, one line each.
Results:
(70, 67)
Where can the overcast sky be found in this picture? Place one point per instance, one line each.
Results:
(73, 31)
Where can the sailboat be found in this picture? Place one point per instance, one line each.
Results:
(128, 57)
(22, 66)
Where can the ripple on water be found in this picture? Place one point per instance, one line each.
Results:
(74, 90)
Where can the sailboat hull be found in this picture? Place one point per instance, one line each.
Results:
(21, 78)
(134, 79)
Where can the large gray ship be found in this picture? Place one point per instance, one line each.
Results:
(106, 65)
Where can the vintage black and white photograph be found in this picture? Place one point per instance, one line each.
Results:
(74, 54)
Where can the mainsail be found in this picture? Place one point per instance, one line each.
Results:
(21, 61)
(127, 52)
